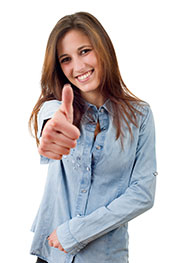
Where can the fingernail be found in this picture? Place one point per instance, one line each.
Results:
(67, 85)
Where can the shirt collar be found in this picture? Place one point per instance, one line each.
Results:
(107, 106)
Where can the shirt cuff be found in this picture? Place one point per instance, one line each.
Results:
(68, 242)
(47, 111)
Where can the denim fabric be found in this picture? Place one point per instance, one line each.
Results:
(91, 194)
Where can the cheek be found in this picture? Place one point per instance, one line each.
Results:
(66, 70)
(92, 60)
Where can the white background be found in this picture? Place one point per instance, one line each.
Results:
(143, 35)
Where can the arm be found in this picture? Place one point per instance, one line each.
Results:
(139, 197)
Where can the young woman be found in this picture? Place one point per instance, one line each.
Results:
(99, 142)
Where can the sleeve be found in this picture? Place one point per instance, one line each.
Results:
(46, 112)
(76, 233)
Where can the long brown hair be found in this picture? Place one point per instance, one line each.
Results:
(112, 86)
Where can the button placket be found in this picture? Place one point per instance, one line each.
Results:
(85, 183)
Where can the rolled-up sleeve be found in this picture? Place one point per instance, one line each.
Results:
(138, 197)
(46, 112)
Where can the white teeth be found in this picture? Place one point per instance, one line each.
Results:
(82, 77)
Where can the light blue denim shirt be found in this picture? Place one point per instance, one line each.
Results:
(91, 194)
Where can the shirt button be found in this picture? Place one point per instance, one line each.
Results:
(87, 168)
(102, 110)
(155, 173)
(78, 215)
(83, 191)
(98, 147)
(78, 158)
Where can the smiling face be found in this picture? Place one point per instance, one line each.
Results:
(80, 65)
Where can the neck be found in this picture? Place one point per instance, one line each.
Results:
(95, 99)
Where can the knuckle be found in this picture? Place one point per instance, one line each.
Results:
(43, 144)
(47, 136)
(43, 141)
(53, 123)
(55, 244)
(40, 149)
(48, 129)
(58, 157)
(66, 151)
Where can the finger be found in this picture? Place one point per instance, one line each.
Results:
(68, 129)
(64, 141)
(54, 148)
(50, 154)
(67, 102)
(61, 248)
(50, 243)
(57, 138)
(56, 244)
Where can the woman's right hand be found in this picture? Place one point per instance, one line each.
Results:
(59, 134)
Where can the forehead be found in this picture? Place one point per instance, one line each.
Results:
(72, 40)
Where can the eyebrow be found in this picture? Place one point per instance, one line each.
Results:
(64, 55)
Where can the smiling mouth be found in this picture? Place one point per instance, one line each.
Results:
(84, 77)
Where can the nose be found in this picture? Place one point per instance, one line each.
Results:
(78, 66)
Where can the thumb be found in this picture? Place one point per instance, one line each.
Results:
(67, 102)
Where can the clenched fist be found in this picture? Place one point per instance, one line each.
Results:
(54, 242)
(59, 134)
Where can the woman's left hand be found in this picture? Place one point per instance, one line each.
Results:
(54, 242)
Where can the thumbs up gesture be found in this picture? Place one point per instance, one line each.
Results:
(59, 134)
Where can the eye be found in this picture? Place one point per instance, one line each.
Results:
(65, 60)
(84, 51)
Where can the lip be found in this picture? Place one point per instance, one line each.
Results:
(85, 76)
